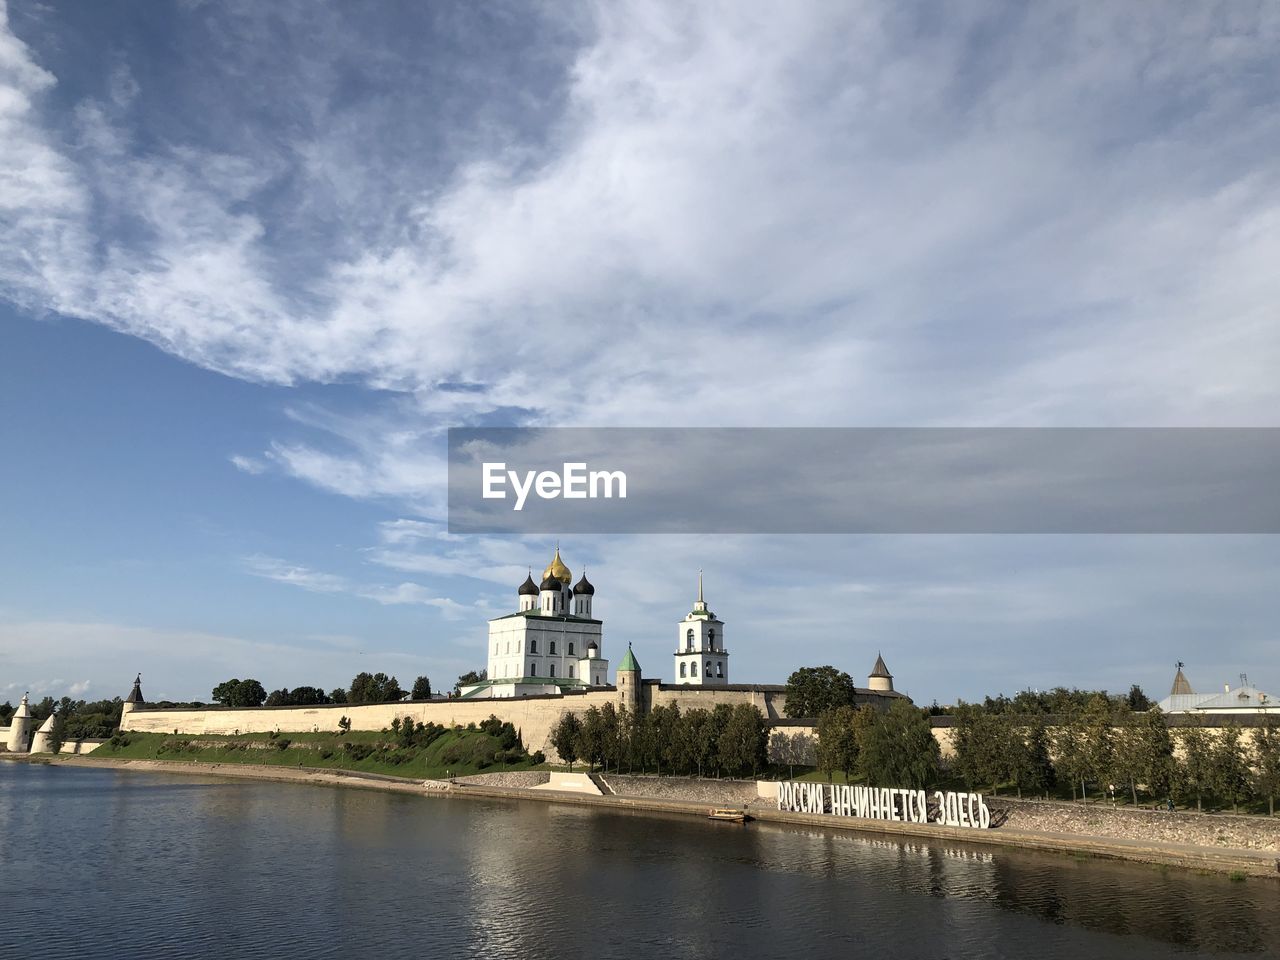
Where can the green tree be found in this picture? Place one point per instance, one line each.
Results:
(812, 691)
(565, 737)
(838, 747)
(374, 688)
(1098, 745)
(1137, 700)
(978, 740)
(1266, 759)
(1231, 774)
(1196, 769)
(1069, 756)
(337, 695)
(239, 693)
(899, 749)
(698, 740)
(421, 689)
(1032, 768)
(661, 738)
(592, 738)
(742, 744)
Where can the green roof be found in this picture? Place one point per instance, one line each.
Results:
(629, 662)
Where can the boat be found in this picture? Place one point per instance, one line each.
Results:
(729, 815)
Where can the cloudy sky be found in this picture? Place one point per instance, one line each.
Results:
(256, 258)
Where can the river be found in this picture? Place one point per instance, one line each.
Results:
(102, 863)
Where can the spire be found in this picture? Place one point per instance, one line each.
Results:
(135, 695)
(1181, 686)
(700, 600)
(880, 670)
(23, 709)
(629, 662)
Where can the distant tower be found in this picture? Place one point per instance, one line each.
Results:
(43, 740)
(629, 683)
(880, 679)
(701, 659)
(20, 728)
(1181, 686)
(132, 702)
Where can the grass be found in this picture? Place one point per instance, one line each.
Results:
(454, 753)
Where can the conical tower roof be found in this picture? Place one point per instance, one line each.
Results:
(47, 726)
(135, 695)
(1181, 686)
(23, 709)
(880, 670)
(629, 662)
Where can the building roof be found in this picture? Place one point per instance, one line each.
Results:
(1245, 697)
(135, 695)
(551, 582)
(880, 670)
(557, 569)
(583, 586)
(629, 662)
(528, 588)
(1181, 687)
(536, 614)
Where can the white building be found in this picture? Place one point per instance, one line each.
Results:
(701, 657)
(1240, 700)
(19, 732)
(550, 644)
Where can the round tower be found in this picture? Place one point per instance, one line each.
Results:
(131, 702)
(880, 679)
(43, 740)
(629, 683)
(20, 728)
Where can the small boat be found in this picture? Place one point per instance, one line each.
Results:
(729, 815)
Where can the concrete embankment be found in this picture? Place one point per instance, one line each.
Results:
(692, 798)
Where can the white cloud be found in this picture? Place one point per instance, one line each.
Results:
(272, 568)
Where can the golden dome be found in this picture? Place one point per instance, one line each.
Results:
(557, 569)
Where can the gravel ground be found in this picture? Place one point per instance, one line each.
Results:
(724, 793)
(515, 778)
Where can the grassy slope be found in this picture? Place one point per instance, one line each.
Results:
(470, 748)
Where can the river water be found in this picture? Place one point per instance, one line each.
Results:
(101, 863)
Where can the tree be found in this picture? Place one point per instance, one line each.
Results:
(1195, 773)
(1156, 764)
(374, 688)
(1231, 774)
(239, 693)
(1069, 758)
(1138, 701)
(899, 749)
(1032, 768)
(1266, 758)
(337, 695)
(421, 689)
(742, 743)
(978, 739)
(592, 738)
(565, 737)
(812, 691)
(838, 747)
(470, 677)
(1098, 742)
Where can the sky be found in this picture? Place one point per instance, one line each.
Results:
(256, 259)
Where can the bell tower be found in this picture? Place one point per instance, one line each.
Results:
(701, 657)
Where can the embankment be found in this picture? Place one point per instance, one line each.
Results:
(1126, 835)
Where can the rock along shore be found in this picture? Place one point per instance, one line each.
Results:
(1249, 846)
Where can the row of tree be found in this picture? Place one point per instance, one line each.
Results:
(890, 748)
(1135, 752)
(365, 688)
(724, 740)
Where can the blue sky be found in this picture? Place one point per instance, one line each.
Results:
(255, 259)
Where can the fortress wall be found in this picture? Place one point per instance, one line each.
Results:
(532, 716)
(771, 703)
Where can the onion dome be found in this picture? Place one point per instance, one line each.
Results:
(557, 569)
(528, 588)
(593, 645)
(880, 670)
(551, 583)
(584, 587)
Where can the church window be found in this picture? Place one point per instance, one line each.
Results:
(598, 683)
(683, 671)
(571, 649)
(719, 669)
(508, 647)
(552, 672)
(711, 638)
(571, 671)
(553, 648)
(708, 673)
(533, 646)
(533, 670)
(688, 639)
(693, 669)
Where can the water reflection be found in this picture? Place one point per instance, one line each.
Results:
(154, 866)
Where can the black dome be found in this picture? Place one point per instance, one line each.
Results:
(584, 586)
(551, 583)
(528, 588)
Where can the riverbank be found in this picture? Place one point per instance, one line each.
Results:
(1026, 827)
